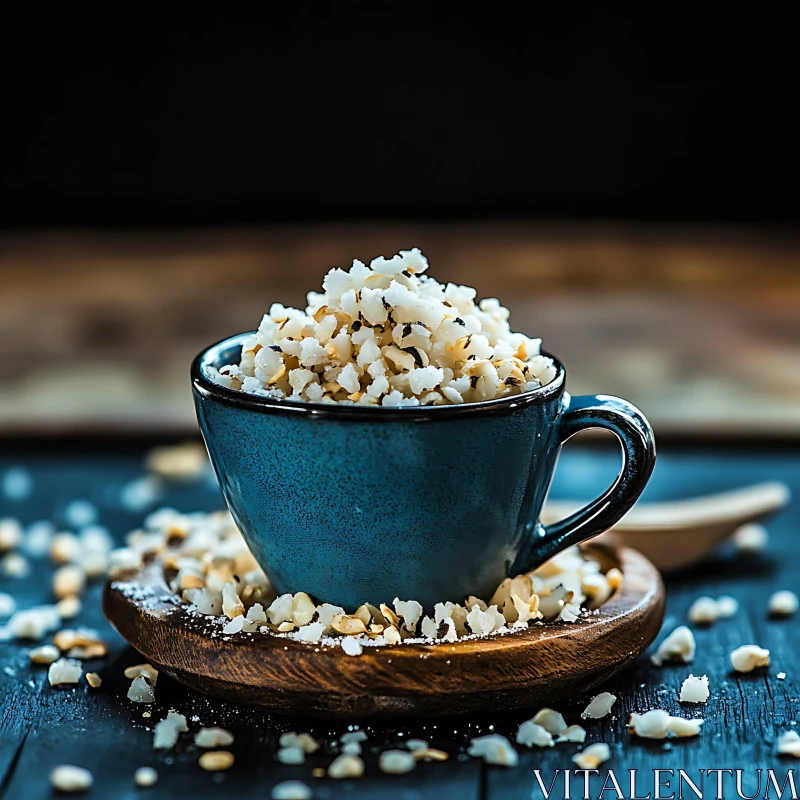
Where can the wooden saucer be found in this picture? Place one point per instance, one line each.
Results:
(524, 669)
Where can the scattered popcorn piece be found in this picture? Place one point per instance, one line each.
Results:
(232, 606)
(351, 646)
(236, 625)
(695, 690)
(7, 604)
(410, 611)
(291, 755)
(494, 749)
(213, 737)
(703, 611)
(15, 565)
(141, 691)
(145, 777)
(650, 725)
(396, 762)
(678, 646)
(305, 741)
(684, 727)
(216, 760)
(416, 744)
(658, 724)
(599, 706)
(531, 734)
(749, 657)
(165, 733)
(781, 676)
(34, 623)
(784, 603)
(750, 538)
(68, 778)
(573, 734)
(789, 744)
(69, 580)
(10, 534)
(69, 607)
(142, 670)
(291, 790)
(310, 633)
(94, 680)
(593, 756)
(430, 754)
(346, 766)
(63, 671)
(551, 721)
(727, 606)
(46, 654)
(69, 638)
(387, 335)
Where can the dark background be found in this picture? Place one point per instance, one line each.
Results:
(364, 110)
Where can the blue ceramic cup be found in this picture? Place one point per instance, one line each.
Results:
(360, 504)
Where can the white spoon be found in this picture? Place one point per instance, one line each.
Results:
(678, 533)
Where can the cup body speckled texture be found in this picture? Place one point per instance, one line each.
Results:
(358, 505)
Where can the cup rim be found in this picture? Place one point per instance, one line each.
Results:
(206, 388)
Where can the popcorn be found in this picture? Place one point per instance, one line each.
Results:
(551, 721)
(7, 604)
(749, 657)
(10, 534)
(531, 733)
(216, 575)
(658, 724)
(94, 680)
(68, 778)
(694, 690)
(213, 737)
(789, 744)
(678, 646)
(351, 646)
(142, 670)
(396, 762)
(216, 760)
(388, 335)
(703, 611)
(593, 756)
(600, 706)
(145, 777)
(574, 733)
(46, 654)
(141, 691)
(165, 733)
(63, 671)
(291, 790)
(346, 766)
(783, 603)
(291, 755)
(494, 749)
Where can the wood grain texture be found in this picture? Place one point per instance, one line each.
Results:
(697, 326)
(512, 672)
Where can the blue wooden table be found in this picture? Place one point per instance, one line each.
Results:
(41, 726)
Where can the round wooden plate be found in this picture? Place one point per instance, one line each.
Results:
(525, 669)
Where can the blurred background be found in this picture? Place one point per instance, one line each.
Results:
(625, 183)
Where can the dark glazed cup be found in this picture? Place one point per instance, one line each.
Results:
(355, 504)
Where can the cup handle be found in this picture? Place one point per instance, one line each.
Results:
(635, 436)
